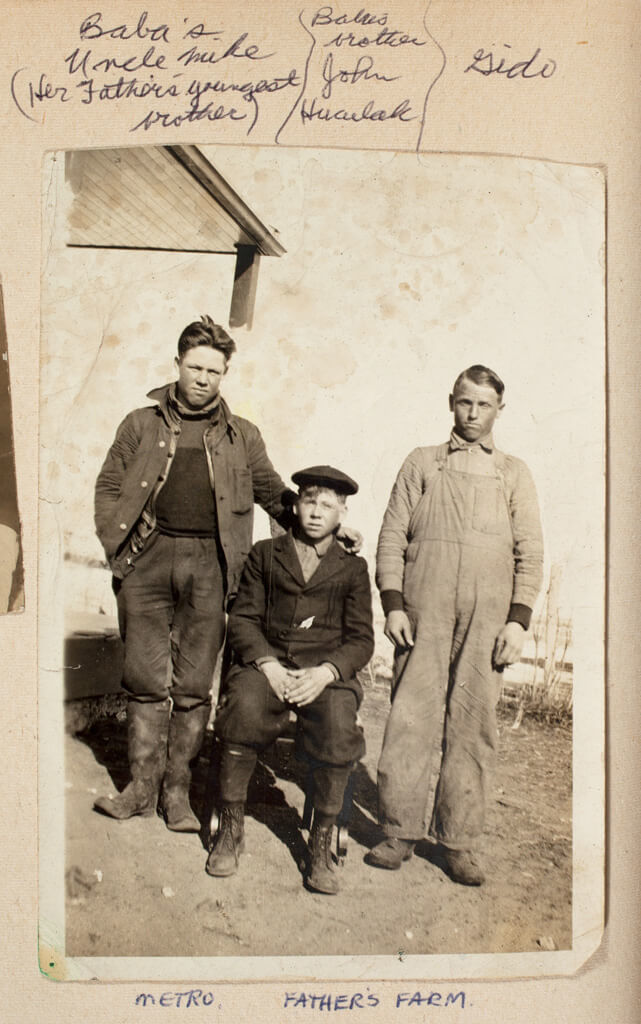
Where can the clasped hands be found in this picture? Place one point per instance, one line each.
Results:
(299, 686)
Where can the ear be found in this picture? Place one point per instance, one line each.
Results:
(177, 363)
(451, 403)
(500, 409)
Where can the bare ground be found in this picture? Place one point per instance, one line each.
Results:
(136, 889)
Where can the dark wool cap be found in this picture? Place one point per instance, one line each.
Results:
(325, 476)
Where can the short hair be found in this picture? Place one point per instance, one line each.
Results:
(206, 332)
(313, 490)
(483, 376)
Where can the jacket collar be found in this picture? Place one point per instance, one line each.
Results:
(285, 553)
(162, 396)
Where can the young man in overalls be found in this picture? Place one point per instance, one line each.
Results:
(459, 567)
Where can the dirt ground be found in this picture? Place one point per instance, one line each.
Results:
(136, 889)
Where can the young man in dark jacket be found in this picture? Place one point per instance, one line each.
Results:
(174, 512)
(300, 629)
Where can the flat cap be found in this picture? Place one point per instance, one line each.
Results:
(325, 476)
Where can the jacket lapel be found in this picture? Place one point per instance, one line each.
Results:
(285, 555)
(331, 562)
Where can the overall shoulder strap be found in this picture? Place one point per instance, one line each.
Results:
(434, 461)
(502, 473)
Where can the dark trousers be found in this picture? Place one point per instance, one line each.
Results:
(172, 620)
(251, 716)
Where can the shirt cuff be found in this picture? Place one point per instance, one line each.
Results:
(259, 662)
(392, 601)
(333, 669)
(520, 613)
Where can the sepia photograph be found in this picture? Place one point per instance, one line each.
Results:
(11, 573)
(322, 571)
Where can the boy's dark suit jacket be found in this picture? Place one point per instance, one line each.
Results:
(327, 619)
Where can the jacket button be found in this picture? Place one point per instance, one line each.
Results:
(143, 483)
(123, 526)
(161, 444)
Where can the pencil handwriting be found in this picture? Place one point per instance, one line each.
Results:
(368, 112)
(92, 28)
(194, 114)
(486, 64)
(354, 67)
(363, 69)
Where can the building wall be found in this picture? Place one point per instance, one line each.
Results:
(399, 272)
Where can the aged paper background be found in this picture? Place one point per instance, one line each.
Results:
(583, 114)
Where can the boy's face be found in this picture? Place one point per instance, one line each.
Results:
(200, 372)
(319, 512)
(475, 408)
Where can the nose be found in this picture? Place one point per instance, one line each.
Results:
(473, 413)
(201, 378)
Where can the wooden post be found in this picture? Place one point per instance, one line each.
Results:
(243, 296)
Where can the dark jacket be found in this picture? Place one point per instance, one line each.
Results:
(137, 465)
(327, 619)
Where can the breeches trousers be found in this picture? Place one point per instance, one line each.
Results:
(172, 620)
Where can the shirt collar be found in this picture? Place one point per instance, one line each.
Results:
(320, 547)
(460, 444)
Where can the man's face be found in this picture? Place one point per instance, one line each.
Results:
(319, 512)
(475, 408)
(200, 372)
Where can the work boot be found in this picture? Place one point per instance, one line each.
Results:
(229, 841)
(186, 733)
(321, 875)
(463, 866)
(147, 729)
(391, 853)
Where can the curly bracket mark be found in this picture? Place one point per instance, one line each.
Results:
(304, 85)
(15, 98)
(433, 82)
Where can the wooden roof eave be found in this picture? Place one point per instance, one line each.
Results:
(208, 178)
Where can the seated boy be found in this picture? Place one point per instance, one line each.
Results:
(300, 629)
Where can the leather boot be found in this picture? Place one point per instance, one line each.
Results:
(186, 734)
(391, 853)
(147, 728)
(463, 866)
(229, 841)
(321, 874)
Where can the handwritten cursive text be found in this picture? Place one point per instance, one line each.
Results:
(486, 64)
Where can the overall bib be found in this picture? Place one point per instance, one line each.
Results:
(457, 591)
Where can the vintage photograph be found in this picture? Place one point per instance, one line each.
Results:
(11, 574)
(322, 572)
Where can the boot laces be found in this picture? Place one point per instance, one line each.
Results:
(230, 829)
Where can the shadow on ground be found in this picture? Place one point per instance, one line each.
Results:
(267, 802)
